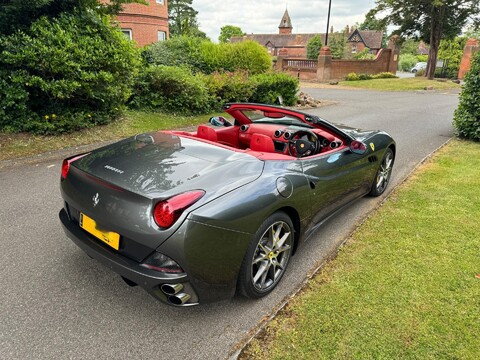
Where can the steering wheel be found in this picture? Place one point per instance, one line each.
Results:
(303, 143)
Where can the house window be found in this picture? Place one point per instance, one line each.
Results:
(127, 33)
(162, 36)
(354, 49)
(161, 2)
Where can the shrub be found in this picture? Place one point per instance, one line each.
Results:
(67, 73)
(205, 56)
(384, 75)
(177, 51)
(249, 56)
(364, 77)
(421, 58)
(467, 116)
(228, 87)
(170, 89)
(270, 86)
(448, 73)
(352, 77)
(420, 72)
(313, 47)
(407, 62)
(364, 55)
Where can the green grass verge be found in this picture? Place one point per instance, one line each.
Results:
(405, 84)
(405, 286)
(133, 122)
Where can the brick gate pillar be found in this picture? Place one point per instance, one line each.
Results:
(324, 66)
(393, 45)
(470, 49)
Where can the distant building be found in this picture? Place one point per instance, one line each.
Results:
(145, 24)
(423, 49)
(287, 44)
(358, 40)
(284, 43)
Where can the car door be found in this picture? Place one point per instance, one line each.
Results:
(336, 179)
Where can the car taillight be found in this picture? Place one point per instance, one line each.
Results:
(168, 211)
(66, 165)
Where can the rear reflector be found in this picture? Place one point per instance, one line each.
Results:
(168, 211)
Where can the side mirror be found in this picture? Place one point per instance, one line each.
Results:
(219, 121)
(357, 147)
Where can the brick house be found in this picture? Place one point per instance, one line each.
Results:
(284, 43)
(291, 45)
(145, 24)
(358, 40)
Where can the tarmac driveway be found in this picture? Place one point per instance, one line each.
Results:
(56, 303)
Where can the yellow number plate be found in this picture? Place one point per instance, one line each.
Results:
(108, 237)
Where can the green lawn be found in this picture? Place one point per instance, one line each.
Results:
(406, 284)
(21, 145)
(405, 84)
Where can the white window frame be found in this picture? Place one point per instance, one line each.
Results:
(128, 33)
(163, 36)
(354, 49)
(161, 2)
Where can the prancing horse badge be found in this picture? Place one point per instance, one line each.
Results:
(372, 146)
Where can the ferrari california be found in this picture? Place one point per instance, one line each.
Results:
(197, 216)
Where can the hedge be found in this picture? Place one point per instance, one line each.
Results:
(466, 119)
(64, 74)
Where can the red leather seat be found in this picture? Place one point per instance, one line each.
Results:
(262, 143)
(207, 133)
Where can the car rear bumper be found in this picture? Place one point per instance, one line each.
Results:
(149, 280)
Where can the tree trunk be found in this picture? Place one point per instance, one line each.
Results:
(438, 13)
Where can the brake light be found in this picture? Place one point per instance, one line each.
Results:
(66, 165)
(168, 211)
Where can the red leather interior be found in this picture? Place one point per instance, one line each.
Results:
(262, 143)
(207, 133)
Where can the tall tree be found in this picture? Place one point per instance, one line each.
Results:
(313, 47)
(227, 31)
(372, 23)
(182, 19)
(431, 19)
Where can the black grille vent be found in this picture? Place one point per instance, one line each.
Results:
(372, 159)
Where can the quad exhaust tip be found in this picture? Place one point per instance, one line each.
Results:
(171, 289)
(174, 294)
(179, 299)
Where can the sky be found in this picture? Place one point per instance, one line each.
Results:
(263, 17)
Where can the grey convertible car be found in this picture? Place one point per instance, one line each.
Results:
(194, 217)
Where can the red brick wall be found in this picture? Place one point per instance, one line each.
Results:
(297, 52)
(341, 68)
(284, 30)
(470, 48)
(145, 21)
(338, 69)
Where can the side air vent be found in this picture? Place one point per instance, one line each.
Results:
(335, 144)
(278, 133)
(243, 128)
(287, 135)
(372, 159)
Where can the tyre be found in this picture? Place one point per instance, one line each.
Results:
(383, 174)
(267, 257)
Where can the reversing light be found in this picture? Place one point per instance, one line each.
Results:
(168, 211)
(162, 263)
(66, 165)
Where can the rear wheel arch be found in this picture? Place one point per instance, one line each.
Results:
(267, 256)
(295, 218)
